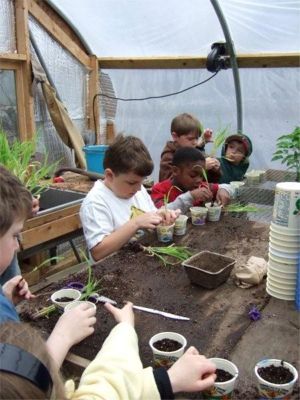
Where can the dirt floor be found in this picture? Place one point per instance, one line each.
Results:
(218, 318)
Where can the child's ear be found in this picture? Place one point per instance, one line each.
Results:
(174, 136)
(109, 175)
(175, 170)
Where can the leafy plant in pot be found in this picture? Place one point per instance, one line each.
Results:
(288, 151)
(165, 231)
(18, 158)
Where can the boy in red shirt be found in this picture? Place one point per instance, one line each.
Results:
(188, 187)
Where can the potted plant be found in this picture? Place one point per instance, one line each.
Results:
(288, 151)
(275, 378)
(165, 232)
(18, 158)
(167, 347)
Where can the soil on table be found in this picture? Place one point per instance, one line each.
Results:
(218, 318)
(223, 376)
(167, 345)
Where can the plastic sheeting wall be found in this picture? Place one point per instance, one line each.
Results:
(7, 27)
(126, 28)
(63, 68)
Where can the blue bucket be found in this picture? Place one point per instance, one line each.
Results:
(94, 156)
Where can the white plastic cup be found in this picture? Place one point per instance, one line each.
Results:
(73, 294)
(279, 229)
(270, 390)
(223, 389)
(282, 259)
(163, 358)
(288, 269)
(77, 303)
(180, 225)
(198, 215)
(285, 211)
(284, 252)
(213, 212)
(165, 233)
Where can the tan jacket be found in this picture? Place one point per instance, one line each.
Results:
(117, 372)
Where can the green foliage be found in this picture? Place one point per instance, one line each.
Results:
(219, 139)
(92, 284)
(288, 151)
(18, 159)
(46, 262)
(238, 208)
(169, 255)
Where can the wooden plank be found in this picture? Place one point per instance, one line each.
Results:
(12, 57)
(53, 216)
(51, 230)
(58, 33)
(24, 92)
(77, 360)
(93, 106)
(261, 60)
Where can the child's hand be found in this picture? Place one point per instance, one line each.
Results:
(35, 204)
(124, 314)
(212, 164)
(168, 216)
(223, 197)
(16, 290)
(207, 135)
(76, 324)
(192, 372)
(202, 194)
(148, 220)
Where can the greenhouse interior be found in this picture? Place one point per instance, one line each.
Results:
(150, 199)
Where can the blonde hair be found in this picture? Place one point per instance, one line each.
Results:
(15, 387)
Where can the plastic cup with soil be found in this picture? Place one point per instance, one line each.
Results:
(199, 215)
(167, 347)
(180, 225)
(63, 297)
(237, 185)
(165, 233)
(275, 378)
(213, 211)
(223, 387)
(77, 303)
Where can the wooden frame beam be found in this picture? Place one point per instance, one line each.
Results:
(58, 33)
(260, 60)
(93, 90)
(23, 76)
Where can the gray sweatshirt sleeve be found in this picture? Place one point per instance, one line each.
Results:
(228, 188)
(183, 202)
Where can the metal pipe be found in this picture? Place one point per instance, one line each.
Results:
(42, 62)
(234, 65)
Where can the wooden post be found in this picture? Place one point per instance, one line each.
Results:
(110, 132)
(23, 76)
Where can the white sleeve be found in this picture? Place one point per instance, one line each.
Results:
(228, 188)
(183, 202)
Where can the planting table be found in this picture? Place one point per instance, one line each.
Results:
(219, 318)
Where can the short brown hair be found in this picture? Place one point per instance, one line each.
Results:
(128, 154)
(15, 387)
(185, 123)
(15, 200)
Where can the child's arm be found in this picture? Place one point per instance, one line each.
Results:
(16, 290)
(224, 194)
(72, 327)
(115, 240)
(206, 137)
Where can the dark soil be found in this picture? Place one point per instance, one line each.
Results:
(64, 299)
(273, 374)
(223, 376)
(218, 318)
(167, 345)
(210, 262)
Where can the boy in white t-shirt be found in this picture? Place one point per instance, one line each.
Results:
(107, 209)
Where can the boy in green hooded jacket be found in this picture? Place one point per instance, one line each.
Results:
(235, 158)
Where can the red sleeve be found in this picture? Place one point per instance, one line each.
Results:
(214, 187)
(159, 191)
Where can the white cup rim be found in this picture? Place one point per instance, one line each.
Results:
(157, 337)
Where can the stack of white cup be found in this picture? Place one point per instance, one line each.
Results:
(284, 246)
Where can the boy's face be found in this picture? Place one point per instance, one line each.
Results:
(9, 244)
(235, 151)
(188, 140)
(124, 186)
(189, 176)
